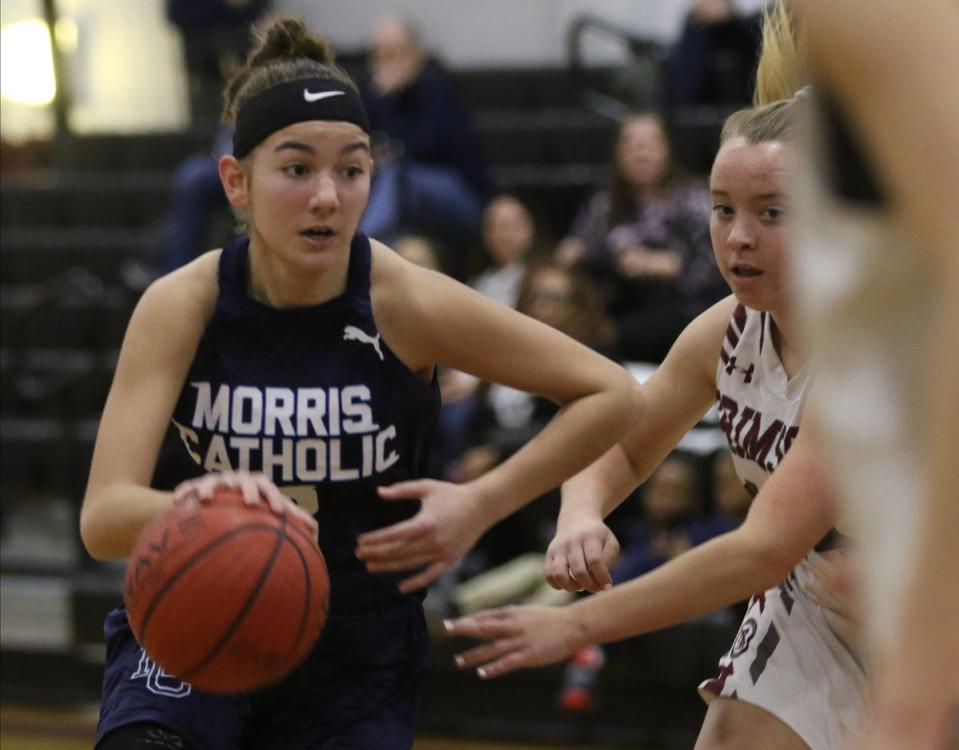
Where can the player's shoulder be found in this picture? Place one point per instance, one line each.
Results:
(699, 345)
(395, 281)
(711, 324)
(185, 296)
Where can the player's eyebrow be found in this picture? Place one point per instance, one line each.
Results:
(308, 149)
(761, 196)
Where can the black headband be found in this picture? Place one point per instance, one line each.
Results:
(295, 101)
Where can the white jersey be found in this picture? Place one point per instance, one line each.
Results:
(788, 657)
(759, 404)
(866, 299)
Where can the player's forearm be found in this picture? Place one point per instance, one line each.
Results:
(599, 488)
(716, 574)
(112, 518)
(580, 432)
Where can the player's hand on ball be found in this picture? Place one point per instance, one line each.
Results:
(449, 522)
(516, 637)
(255, 488)
(580, 555)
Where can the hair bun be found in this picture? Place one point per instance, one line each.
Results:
(287, 38)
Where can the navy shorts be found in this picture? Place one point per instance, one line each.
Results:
(358, 690)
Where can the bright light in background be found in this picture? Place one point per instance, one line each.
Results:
(26, 63)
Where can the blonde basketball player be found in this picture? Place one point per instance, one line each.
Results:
(789, 681)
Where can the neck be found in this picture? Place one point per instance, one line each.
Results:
(277, 284)
(791, 353)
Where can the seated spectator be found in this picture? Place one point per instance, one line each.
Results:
(430, 167)
(508, 235)
(508, 238)
(198, 204)
(216, 38)
(713, 61)
(646, 242)
(419, 250)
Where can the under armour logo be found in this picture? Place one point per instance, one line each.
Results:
(352, 333)
(746, 371)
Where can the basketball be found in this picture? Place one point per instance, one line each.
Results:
(226, 596)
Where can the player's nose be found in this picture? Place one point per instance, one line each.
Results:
(325, 196)
(741, 235)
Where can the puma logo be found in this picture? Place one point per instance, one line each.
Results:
(352, 333)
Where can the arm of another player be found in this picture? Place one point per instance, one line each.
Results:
(791, 513)
(870, 52)
(428, 318)
(675, 397)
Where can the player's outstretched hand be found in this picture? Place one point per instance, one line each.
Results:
(516, 637)
(255, 488)
(447, 525)
(580, 555)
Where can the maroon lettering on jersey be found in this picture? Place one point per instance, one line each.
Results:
(727, 413)
(747, 439)
(756, 446)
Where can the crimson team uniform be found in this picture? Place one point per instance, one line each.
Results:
(788, 657)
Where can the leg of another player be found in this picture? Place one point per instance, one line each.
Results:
(731, 724)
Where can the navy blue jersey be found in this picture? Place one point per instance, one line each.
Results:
(314, 398)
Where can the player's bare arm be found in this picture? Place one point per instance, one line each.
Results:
(922, 174)
(791, 513)
(427, 318)
(157, 349)
(675, 397)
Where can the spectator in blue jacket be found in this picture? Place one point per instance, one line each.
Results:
(431, 172)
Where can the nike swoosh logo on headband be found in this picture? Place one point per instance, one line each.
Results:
(311, 97)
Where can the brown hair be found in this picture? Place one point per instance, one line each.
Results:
(588, 322)
(622, 198)
(285, 50)
(781, 71)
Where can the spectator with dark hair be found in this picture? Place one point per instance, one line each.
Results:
(509, 233)
(646, 241)
(431, 169)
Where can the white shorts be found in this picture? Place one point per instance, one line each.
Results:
(788, 660)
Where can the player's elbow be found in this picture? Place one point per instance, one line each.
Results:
(630, 400)
(95, 535)
(774, 560)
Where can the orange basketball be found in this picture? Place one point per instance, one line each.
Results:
(226, 596)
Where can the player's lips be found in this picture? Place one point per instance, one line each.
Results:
(318, 235)
(743, 270)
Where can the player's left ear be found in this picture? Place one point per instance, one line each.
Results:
(235, 181)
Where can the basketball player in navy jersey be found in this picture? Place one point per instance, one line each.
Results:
(789, 681)
(305, 352)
